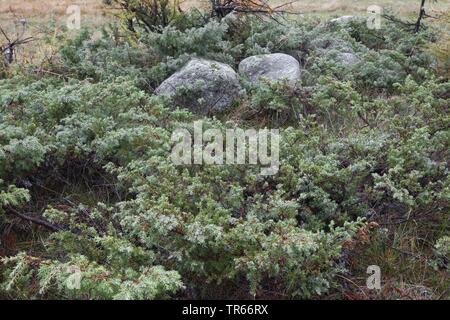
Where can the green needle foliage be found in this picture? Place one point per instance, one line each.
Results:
(89, 152)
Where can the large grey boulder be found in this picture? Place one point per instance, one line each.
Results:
(275, 67)
(202, 86)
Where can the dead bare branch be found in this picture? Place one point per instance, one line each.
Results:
(36, 221)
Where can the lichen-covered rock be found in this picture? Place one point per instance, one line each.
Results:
(347, 58)
(275, 67)
(232, 19)
(202, 86)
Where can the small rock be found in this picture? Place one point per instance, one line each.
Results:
(336, 49)
(347, 58)
(343, 19)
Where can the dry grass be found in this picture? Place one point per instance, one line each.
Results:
(44, 21)
(51, 15)
(404, 253)
(48, 9)
(93, 10)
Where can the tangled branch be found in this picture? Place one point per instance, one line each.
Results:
(221, 8)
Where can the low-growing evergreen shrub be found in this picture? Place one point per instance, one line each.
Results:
(355, 144)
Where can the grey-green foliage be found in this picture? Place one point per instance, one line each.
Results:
(368, 141)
